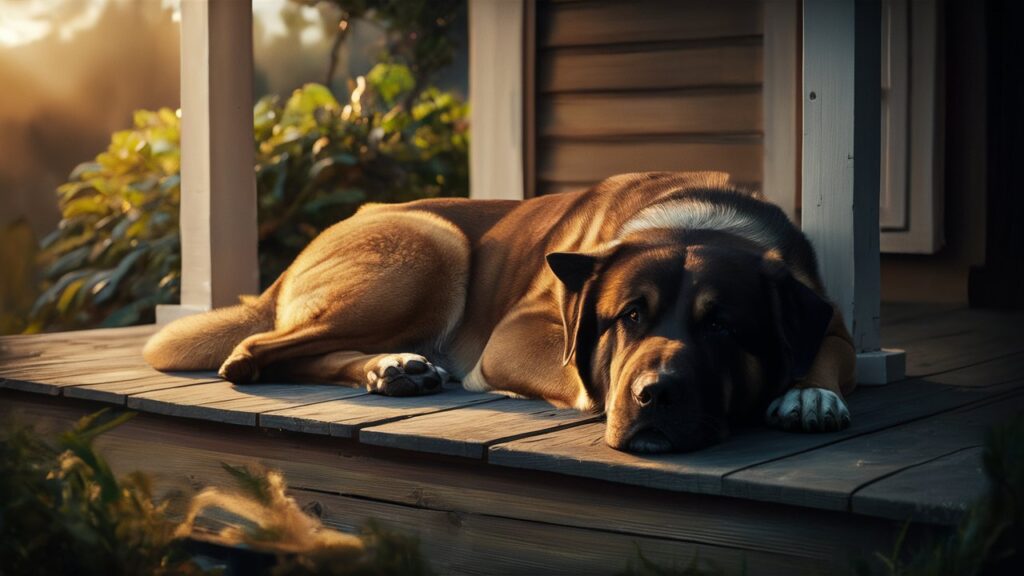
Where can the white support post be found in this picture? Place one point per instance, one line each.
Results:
(218, 182)
(841, 113)
(496, 94)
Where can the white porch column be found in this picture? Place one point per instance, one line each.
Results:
(218, 182)
(496, 99)
(840, 169)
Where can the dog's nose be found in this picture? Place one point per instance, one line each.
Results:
(652, 390)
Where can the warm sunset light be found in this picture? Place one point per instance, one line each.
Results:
(432, 287)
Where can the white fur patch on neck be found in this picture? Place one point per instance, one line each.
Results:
(696, 215)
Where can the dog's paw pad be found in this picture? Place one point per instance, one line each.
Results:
(404, 375)
(239, 369)
(808, 410)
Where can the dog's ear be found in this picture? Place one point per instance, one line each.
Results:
(575, 270)
(800, 315)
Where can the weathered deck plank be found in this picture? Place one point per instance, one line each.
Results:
(581, 450)
(52, 378)
(222, 401)
(939, 491)
(994, 373)
(117, 392)
(971, 357)
(827, 479)
(469, 431)
(184, 454)
(343, 418)
(954, 339)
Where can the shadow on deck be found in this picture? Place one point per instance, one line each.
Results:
(493, 484)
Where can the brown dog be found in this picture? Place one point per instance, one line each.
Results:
(673, 302)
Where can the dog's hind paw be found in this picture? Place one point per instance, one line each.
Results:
(808, 410)
(404, 375)
(239, 369)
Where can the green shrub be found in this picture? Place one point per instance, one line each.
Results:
(116, 253)
(65, 512)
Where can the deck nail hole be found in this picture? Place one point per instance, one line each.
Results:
(813, 96)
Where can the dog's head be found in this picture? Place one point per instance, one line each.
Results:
(677, 339)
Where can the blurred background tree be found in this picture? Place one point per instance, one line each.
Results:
(392, 136)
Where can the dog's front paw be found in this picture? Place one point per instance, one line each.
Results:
(239, 369)
(404, 375)
(808, 410)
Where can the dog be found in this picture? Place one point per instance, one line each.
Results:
(675, 303)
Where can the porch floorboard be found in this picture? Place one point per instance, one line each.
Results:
(912, 453)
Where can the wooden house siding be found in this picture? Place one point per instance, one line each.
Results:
(648, 85)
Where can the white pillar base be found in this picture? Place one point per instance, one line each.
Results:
(166, 313)
(881, 367)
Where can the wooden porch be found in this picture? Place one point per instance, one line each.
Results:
(495, 485)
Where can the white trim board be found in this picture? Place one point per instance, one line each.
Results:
(914, 116)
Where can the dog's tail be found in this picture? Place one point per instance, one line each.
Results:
(204, 341)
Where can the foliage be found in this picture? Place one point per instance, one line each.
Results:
(115, 255)
(990, 538)
(420, 33)
(116, 252)
(66, 513)
(272, 522)
(319, 159)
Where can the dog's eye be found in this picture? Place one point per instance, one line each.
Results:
(718, 327)
(632, 314)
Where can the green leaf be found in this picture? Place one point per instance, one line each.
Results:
(342, 158)
(69, 261)
(85, 169)
(68, 296)
(170, 182)
(128, 315)
(391, 81)
(304, 102)
(89, 205)
(50, 295)
(110, 288)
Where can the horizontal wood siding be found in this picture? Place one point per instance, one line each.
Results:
(648, 85)
(582, 162)
(587, 23)
(732, 62)
(706, 113)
